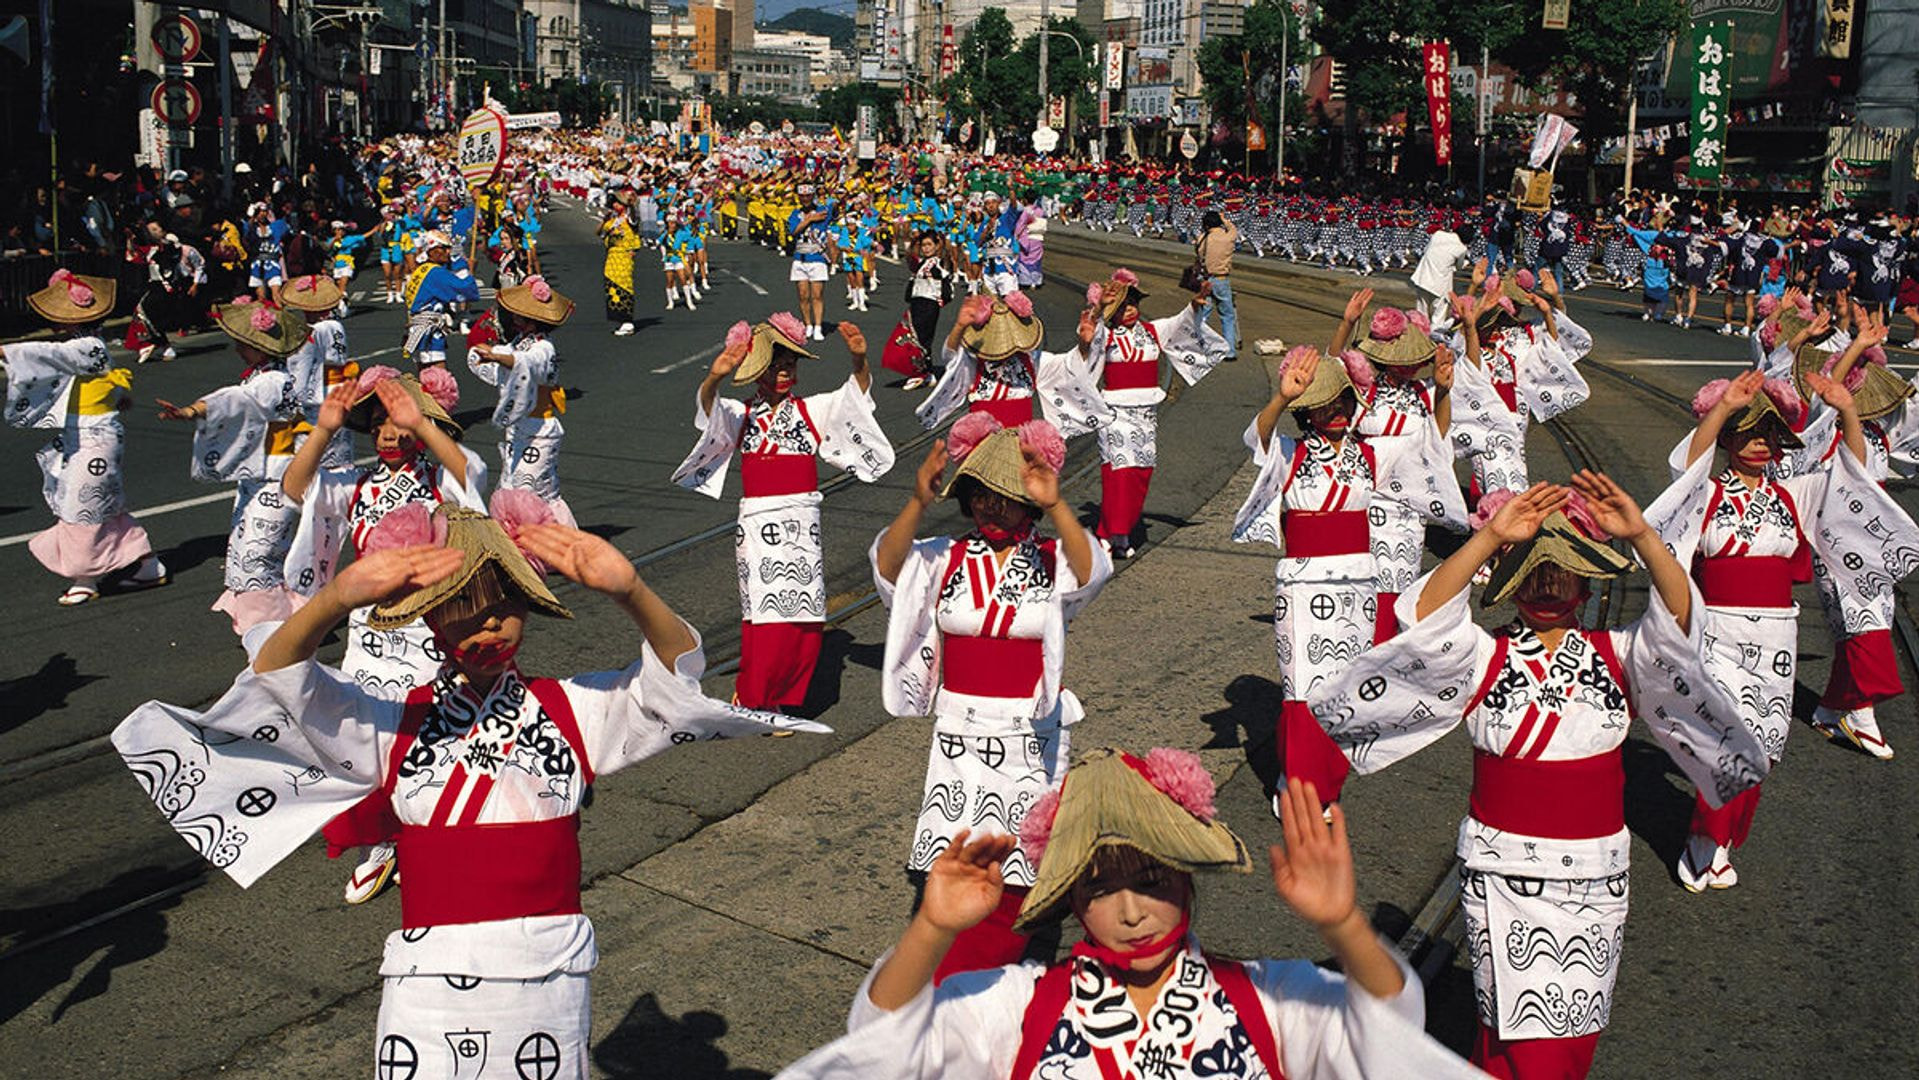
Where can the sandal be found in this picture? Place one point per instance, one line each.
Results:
(77, 595)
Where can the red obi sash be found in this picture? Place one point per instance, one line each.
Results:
(484, 873)
(1312, 533)
(1132, 375)
(778, 474)
(1560, 800)
(1756, 581)
(991, 667)
(1010, 412)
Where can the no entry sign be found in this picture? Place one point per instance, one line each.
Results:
(482, 147)
(177, 102)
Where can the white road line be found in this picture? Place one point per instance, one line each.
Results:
(756, 289)
(704, 354)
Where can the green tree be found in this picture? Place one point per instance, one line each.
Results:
(1068, 70)
(1377, 45)
(1227, 63)
(841, 105)
(987, 76)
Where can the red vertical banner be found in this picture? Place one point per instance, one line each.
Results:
(1437, 67)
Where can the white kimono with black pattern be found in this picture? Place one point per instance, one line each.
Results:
(315, 367)
(1544, 916)
(1404, 407)
(777, 551)
(991, 756)
(249, 436)
(1324, 606)
(80, 468)
(1866, 542)
(530, 432)
(1326, 1027)
(282, 753)
(1128, 422)
(1540, 369)
(1056, 381)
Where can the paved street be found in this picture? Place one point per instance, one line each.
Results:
(740, 890)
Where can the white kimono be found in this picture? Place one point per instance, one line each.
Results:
(1545, 916)
(992, 755)
(1067, 397)
(1865, 540)
(968, 1028)
(527, 418)
(249, 436)
(316, 367)
(1325, 606)
(1545, 382)
(1398, 527)
(782, 567)
(80, 466)
(1128, 422)
(283, 753)
(346, 504)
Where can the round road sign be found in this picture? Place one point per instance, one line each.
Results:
(176, 38)
(1188, 146)
(177, 102)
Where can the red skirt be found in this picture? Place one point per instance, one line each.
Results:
(1864, 672)
(776, 663)
(1122, 498)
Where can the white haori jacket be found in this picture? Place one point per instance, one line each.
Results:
(850, 438)
(535, 366)
(233, 441)
(1183, 340)
(1068, 397)
(41, 378)
(910, 677)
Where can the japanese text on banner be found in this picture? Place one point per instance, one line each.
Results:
(1437, 68)
(1711, 53)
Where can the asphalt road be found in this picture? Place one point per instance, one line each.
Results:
(740, 889)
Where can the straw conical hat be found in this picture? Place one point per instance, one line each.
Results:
(1881, 393)
(1105, 801)
(996, 463)
(525, 301)
(1329, 381)
(311, 292)
(766, 338)
(60, 302)
(1408, 348)
(1004, 334)
(360, 416)
(481, 540)
(281, 334)
(1764, 414)
(1560, 543)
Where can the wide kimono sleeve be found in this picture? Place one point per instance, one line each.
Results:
(1416, 470)
(950, 392)
(314, 556)
(850, 435)
(1902, 436)
(1480, 418)
(1188, 344)
(1865, 542)
(633, 713)
(229, 442)
(265, 767)
(1330, 1028)
(1068, 393)
(704, 469)
(1399, 697)
(1678, 515)
(1549, 381)
(519, 384)
(1258, 517)
(967, 1028)
(910, 673)
(1075, 594)
(41, 374)
(1574, 339)
(1686, 711)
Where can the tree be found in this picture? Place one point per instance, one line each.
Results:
(841, 105)
(1227, 63)
(1068, 70)
(1377, 44)
(987, 77)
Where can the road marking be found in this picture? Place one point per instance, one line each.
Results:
(704, 354)
(756, 289)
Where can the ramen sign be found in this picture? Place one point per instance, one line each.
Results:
(482, 147)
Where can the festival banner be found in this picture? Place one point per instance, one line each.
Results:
(1439, 100)
(1835, 33)
(1711, 88)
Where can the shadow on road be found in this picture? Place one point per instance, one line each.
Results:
(126, 940)
(1658, 801)
(648, 1043)
(1252, 705)
(188, 554)
(29, 696)
(837, 649)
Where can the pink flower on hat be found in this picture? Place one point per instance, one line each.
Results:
(376, 375)
(1125, 276)
(411, 525)
(263, 319)
(1489, 504)
(1296, 357)
(1044, 440)
(516, 508)
(1492, 283)
(441, 386)
(78, 292)
(1526, 280)
(540, 290)
(1036, 828)
(1094, 294)
(1358, 369)
(1769, 336)
(1019, 304)
(788, 325)
(1783, 395)
(1418, 320)
(307, 283)
(1766, 306)
(968, 432)
(739, 334)
(1580, 513)
(979, 313)
(1180, 776)
(1388, 324)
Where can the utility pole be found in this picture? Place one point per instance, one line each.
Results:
(1285, 42)
(442, 67)
(1044, 9)
(1485, 69)
(1632, 125)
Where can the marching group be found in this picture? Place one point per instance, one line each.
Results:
(429, 750)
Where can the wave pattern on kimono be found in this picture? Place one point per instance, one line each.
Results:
(1010, 389)
(249, 436)
(486, 913)
(780, 563)
(1125, 362)
(1545, 846)
(528, 416)
(1404, 407)
(993, 753)
(968, 1028)
(1311, 500)
(1748, 546)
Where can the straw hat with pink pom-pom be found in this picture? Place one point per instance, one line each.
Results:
(1002, 327)
(434, 390)
(72, 299)
(276, 332)
(995, 456)
(1394, 340)
(781, 330)
(538, 300)
(1876, 391)
(314, 293)
(1570, 538)
(494, 567)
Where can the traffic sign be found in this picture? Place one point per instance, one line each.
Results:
(176, 38)
(177, 102)
(482, 147)
(1188, 146)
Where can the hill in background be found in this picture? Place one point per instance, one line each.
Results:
(814, 21)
